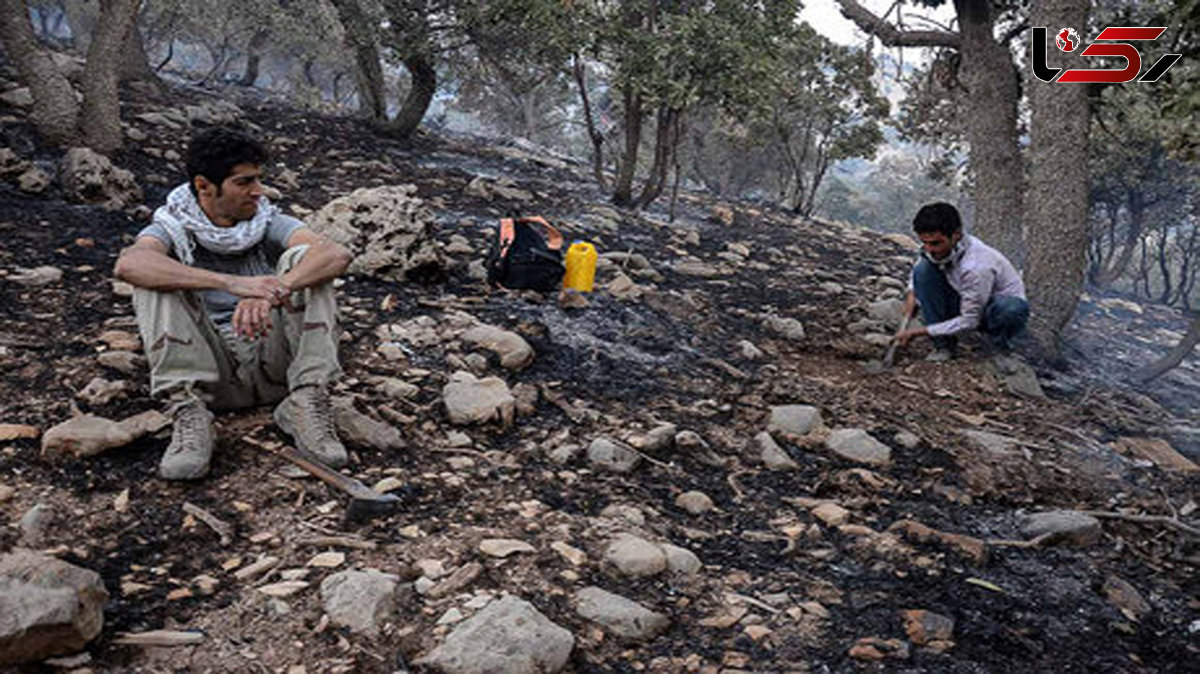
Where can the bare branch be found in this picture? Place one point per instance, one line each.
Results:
(890, 35)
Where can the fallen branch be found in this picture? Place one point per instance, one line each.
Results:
(1031, 543)
(731, 480)
(1146, 519)
(338, 542)
(223, 529)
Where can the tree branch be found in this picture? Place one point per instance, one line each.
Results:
(890, 35)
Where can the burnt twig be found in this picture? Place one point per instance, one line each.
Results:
(223, 529)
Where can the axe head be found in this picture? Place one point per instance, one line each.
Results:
(366, 508)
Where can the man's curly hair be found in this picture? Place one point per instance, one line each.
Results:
(214, 152)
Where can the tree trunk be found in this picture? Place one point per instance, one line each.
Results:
(100, 117)
(666, 138)
(135, 64)
(1057, 200)
(1110, 273)
(254, 57)
(594, 133)
(82, 18)
(990, 106)
(623, 189)
(55, 111)
(1174, 357)
(1164, 266)
(420, 95)
(368, 73)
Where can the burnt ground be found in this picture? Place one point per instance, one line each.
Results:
(618, 366)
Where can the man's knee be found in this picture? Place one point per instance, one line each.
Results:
(926, 273)
(290, 258)
(1008, 312)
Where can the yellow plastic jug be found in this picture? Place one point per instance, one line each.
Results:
(581, 267)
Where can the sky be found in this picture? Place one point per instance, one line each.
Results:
(826, 17)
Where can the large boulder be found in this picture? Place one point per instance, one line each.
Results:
(47, 607)
(91, 178)
(510, 635)
(389, 229)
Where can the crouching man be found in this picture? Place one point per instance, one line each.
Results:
(235, 306)
(961, 284)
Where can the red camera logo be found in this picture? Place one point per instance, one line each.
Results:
(1067, 40)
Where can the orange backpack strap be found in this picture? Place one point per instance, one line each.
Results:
(508, 232)
(554, 238)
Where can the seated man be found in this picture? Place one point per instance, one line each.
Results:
(235, 306)
(961, 284)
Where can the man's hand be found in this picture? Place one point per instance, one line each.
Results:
(252, 318)
(262, 287)
(905, 336)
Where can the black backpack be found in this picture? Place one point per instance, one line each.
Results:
(527, 253)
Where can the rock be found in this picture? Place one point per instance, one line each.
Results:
(1070, 526)
(20, 97)
(503, 547)
(84, 436)
(328, 560)
(656, 439)
(923, 627)
(145, 423)
(212, 113)
(874, 648)
(515, 353)
(127, 362)
(903, 240)
(611, 455)
(697, 268)
(359, 429)
(34, 181)
(794, 419)
(691, 444)
(1018, 377)
(855, 444)
(966, 546)
(832, 288)
(888, 312)
(907, 440)
(100, 391)
(635, 557)
(17, 431)
(502, 188)
(120, 340)
(47, 607)
(993, 443)
(397, 389)
(91, 178)
(510, 636)
(6, 493)
(360, 600)
(622, 617)
(389, 229)
(787, 328)
(36, 277)
(624, 288)
(565, 454)
(456, 581)
(35, 523)
(473, 401)
(570, 553)
(283, 589)
(832, 514)
(694, 502)
(1158, 451)
(749, 351)
(680, 560)
(1126, 598)
(772, 455)
(459, 245)
(621, 511)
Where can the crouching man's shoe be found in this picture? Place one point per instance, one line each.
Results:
(306, 415)
(190, 451)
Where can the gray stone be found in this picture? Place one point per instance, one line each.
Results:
(772, 455)
(656, 439)
(510, 636)
(100, 391)
(35, 523)
(34, 181)
(397, 389)
(515, 353)
(794, 419)
(787, 328)
(1070, 526)
(698, 269)
(565, 454)
(18, 98)
(472, 401)
(360, 600)
(694, 502)
(855, 444)
(47, 607)
(84, 435)
(749, 351)
(990, 442)
(1018, 377)
(622, 617)
(635, 557)
(91, 178)
(611, 455)
(357, 428)
(907, 440)
(389, 229)
(680, 560)
(887, 311)
(36, 277)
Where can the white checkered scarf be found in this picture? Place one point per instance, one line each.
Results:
(187, 225)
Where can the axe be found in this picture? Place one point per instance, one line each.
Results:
(365, 503)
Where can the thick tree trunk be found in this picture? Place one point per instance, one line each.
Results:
(1057, 200)
(666, 139)
(420, 95)
(1175, 356)
(55, 111)
(135, 64)
(100, 118)
(990, 107)
(82, 19)
(1110, 273)
(594, 133)
(368, 73)
(627, 166)
(254, 57)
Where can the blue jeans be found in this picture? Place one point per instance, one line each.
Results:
(1003, 317)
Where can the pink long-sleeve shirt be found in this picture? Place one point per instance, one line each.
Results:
(980, 274)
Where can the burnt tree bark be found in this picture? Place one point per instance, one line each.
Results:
(990, 106)
(368, 72)
(254, 57)
(55, 112)
(627, 165)
(594, 133)
(1057, 200)
(135, 63)
(420, 94)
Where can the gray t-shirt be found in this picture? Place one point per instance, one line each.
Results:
(259, 260)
